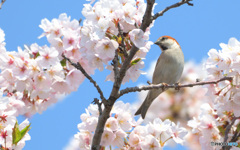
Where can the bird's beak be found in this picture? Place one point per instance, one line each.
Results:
(157, 42)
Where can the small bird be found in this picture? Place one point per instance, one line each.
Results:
(168, 69)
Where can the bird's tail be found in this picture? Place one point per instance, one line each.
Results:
(143, 108)
(139, 110)
(152, 94)
(145, 105)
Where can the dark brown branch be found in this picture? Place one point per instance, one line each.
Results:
(147, 20)
(123, 47)
(2, 2)
(172, 6)
(79, 21)
(100, 127)
(235, 136)
(166, 86)
(228, 128)
(117, 83)
(115, 65)
(79, 67)
(99, 104)
(148, 82)
(145, 24)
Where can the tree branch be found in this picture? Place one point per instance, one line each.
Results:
(2, 2)
(228, 128)
(79, 67)
(149, 83)
(122, 42)
(147, 20)
(115, 65)
(99, 104)
(117, 83)
(166, 86)
(235, 136)
(145, 24)
(172, 6)
(79, 21)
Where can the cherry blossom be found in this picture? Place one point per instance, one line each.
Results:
(118, 141)
(137, 37)
(112, 124)
(150, 143)
(48, 56)
(223, 103)
(214, 57)
(8, 113)
(84, 140)
(105, 48)
(121, 125)
(33, 78)
(134, 140)
(178, 133)
(107, 137)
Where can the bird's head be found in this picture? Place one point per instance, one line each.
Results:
(166, 42)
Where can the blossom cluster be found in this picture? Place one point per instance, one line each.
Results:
(36, 76)
(225, 62)
(122, 131)
(206, 125)
(223, 98)
(93, 45)
(100, 36)
(9, 110)
(7, 122)
(179, 105)
(39, 74)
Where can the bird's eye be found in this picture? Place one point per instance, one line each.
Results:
(164, 38)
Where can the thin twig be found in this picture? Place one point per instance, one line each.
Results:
(166, 86)
(80, 20)
(148, 82)
(123, 47)
(99, 104)
(2, 2)
(235, 137)
(190, 4)
(172, 6)
(79, 67)
(228, 128)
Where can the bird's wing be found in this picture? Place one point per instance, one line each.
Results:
(166, 69)
(160, 70)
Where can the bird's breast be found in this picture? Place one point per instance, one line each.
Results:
(169, 68)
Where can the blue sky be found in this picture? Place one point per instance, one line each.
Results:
(197, 29)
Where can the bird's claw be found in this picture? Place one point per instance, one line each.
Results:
(177, 86)
(164, 86)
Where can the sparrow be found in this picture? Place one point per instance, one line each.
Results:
(168, 69)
